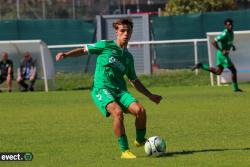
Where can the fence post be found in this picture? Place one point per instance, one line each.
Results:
(17, 9)
(73, 9)
(195, 55)
(44, 9)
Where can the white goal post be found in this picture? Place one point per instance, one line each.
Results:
(38, 50)
(240, 57)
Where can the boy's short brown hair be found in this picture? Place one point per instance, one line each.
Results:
(122, 21)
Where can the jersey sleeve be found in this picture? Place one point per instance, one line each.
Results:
(96, 48)
(131, 74)
(220, 37)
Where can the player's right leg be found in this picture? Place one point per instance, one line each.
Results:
(116, 112)
(107, 105)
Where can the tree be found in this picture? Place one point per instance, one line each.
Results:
(180, 7)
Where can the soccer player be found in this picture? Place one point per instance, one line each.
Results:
(223, 43)
(6, 70)
(109, 90)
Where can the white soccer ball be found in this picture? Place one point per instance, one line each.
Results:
(155, 146)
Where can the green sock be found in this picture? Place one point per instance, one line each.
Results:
(140, 135)
(123, 143)
(235, 86)
(205, 67)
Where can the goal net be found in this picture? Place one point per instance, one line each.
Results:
(240, 57)
(40, 52)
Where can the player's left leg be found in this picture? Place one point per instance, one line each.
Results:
(234, 78)
(118, 124)
(139, 112)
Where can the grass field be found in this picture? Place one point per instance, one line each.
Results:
(203, 126)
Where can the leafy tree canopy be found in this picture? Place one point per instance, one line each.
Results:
(180, 7)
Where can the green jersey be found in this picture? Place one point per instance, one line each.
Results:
(226, 39)
(113, 62)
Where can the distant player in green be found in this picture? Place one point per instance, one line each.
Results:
(109, 90)
(223, 43)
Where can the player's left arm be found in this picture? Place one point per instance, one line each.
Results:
(136, 83)
(141, 88)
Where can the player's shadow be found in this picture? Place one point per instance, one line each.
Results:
(187, 152)
(82, 88)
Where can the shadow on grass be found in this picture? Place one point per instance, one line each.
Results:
(82, 88)
(74, 89)
(187, 152)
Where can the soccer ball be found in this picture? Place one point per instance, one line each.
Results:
(155, 146)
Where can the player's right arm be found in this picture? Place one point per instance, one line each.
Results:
(96, 48)
(72, 53)
(216, 45)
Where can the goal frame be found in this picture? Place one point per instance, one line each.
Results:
(46, 63)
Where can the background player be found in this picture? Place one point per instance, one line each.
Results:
(223, 43)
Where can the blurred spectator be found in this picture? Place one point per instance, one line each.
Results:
(27, 71)
(6, 70)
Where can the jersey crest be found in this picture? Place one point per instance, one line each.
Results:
(116, 63)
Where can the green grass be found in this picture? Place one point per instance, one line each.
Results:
(204, 126)
(163, 78)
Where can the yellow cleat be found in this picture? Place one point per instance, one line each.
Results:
(128, 155)
(139, 144)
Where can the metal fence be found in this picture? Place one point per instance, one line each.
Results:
(167, 54)
(74, 9)
(47, 9)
